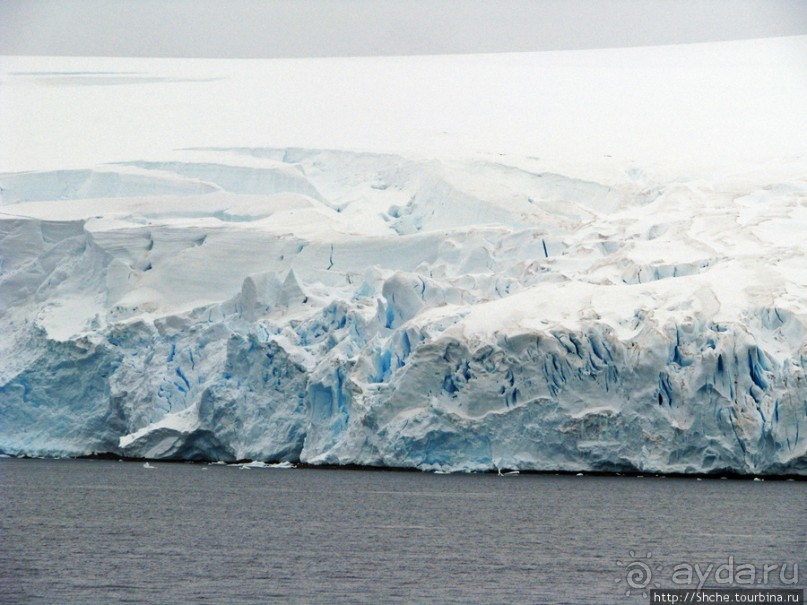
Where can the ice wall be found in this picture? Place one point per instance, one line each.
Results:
(347, 308)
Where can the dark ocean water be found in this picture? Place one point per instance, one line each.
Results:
(107, 532)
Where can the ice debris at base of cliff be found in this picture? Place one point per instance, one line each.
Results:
(346, 308)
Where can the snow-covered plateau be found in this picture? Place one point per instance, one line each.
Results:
(571, 261)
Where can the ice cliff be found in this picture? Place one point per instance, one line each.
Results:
(376, 309)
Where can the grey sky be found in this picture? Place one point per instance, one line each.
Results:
(300, 28)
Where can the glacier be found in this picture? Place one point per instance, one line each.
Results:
(341, 303)
(442, 316)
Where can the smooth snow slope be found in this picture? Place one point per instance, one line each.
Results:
(676, 110)
(584, 260)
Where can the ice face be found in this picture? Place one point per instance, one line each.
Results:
(345, 308)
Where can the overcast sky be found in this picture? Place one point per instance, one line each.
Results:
(300, 28)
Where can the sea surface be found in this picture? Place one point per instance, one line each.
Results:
(92, 531)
